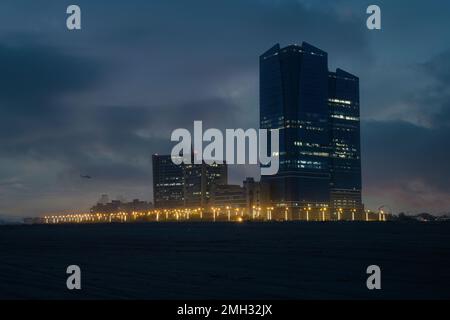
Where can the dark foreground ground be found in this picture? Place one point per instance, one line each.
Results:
(220, 260)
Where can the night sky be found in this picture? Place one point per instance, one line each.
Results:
(101, 100)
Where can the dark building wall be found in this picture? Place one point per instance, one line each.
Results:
(293, 98)
(257, 194)
(168, 183)
(199, 179)
(345, 141)
(228, 195)
(194, 185)
(184, 185)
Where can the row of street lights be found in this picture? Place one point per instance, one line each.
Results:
(232, 214)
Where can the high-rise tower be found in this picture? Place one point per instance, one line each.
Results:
(345, 157)
(301, 98)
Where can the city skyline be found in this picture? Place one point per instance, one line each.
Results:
(100, 102)
(316, 115)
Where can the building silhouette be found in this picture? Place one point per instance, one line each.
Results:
(168, 183)
(228, 195)
(185, 185)
(199, 180)
(256, 193)
(317, 112)
(116, 206)
(345, 157)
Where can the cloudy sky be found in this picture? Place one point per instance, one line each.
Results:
(101, 100)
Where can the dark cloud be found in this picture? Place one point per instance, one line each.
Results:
(439, 67)
(419, 94)
(406, 165)
(436, 96)
(34, 81)
(406, 162)
(35, 76)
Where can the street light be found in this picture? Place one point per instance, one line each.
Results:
(322, 210)
(269, 213)
(307, 213)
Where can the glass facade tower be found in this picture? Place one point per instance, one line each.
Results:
(299, 96)
(345, 193)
